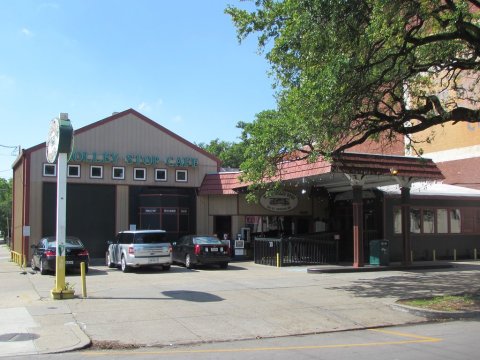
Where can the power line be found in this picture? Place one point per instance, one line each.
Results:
(15, 149)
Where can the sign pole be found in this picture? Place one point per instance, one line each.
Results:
(61, 221)
(59, 146)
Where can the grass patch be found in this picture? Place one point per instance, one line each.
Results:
(461, 302)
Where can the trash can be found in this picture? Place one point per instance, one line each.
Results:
(379, 252)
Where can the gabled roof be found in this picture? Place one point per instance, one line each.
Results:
(141, 117)
(220, 184)
(377, 170)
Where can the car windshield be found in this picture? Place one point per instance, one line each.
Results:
(150, 238)
(69, 241)
(206, 241)
(73, 241)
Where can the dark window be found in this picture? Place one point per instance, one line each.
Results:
(118, 173)
(96, 172)
(74, 171)
(150, 238)
(139, 174)
(160, 174)
(181, 175)
(49, 170)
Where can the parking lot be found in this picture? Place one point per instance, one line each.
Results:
(155, 307)
(244, 301)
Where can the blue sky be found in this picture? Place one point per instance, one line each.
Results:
(177, 62)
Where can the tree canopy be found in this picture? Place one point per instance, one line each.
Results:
(230, 153)
(5, 206)
(348, 71)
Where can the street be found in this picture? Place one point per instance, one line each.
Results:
(435, 341)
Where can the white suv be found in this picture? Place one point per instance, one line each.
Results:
(139, 248)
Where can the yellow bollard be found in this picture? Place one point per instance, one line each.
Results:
(84, 282)
(278, 260)
(434, 255)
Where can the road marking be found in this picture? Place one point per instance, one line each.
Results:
(411, 339)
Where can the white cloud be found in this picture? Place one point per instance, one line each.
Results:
(143, 106)
(26, 32)
(148, 107)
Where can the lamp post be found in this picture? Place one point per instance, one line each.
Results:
(58, 148)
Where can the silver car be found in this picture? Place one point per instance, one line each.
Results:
(139, 248)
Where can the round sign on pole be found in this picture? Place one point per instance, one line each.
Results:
(60, 138)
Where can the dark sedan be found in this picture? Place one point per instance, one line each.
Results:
(44, 254)
(191, 250)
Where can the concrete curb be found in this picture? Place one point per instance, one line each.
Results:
(73, 338)
(369, 268)
(435, 314)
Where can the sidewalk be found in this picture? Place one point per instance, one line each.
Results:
(181, 306)
(30, 324)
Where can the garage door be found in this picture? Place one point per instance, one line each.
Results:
(90, 214)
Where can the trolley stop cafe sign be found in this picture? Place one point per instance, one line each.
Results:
(132, 159)
(281, 201)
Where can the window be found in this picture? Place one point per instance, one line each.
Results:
(455, 221)
(442, 221)
(49, 170)
(118, 173)
(181, 175)
(397, 220)
(139, 174)
(96, 172)
(439, 221)
(160, 174)
(415, 220)
(428, 221)
(74, 171)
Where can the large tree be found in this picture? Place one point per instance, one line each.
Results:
(5, 206)
(348, 71)
(230, 153)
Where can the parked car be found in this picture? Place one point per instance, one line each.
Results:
(191, 250)
(44, 254)
(139, 248)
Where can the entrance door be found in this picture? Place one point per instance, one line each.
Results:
(223, 225)
(343, 224)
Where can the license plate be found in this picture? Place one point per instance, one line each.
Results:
(153, 260)
(69, 262)
(213, 249)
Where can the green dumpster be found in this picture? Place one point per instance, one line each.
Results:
(379, 252)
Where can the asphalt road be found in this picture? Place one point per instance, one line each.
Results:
(435, 341)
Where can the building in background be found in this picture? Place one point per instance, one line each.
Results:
(129, 172)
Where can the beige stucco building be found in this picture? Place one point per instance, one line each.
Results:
(127, 171)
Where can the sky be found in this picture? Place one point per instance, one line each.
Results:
(177, 62)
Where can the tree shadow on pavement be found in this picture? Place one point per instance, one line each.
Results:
(195, 296)
(414, 284)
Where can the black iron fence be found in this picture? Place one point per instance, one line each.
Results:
(299, 250)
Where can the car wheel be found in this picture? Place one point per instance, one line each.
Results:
(124, 265)
(108, 260)
(188, 261)
(86, 268)
(224, 265)
(166, 267)
(43, 271)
